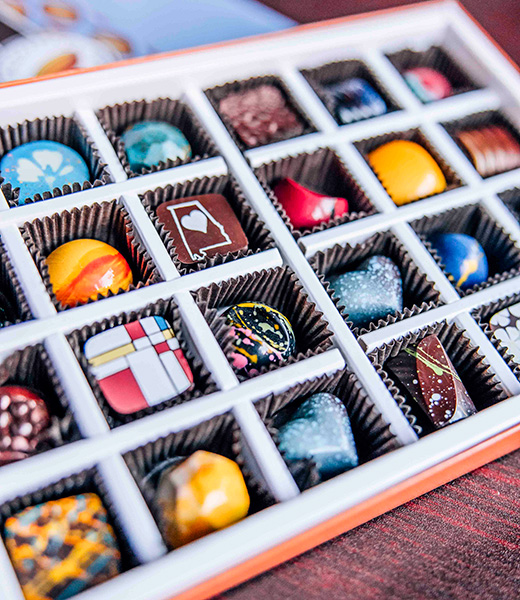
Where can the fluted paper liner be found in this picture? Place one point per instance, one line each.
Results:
(436, 58)
(486, 118)
(258, 236)
(85, 482)
(413, 135)
(278, 288)
(321, 171)
(220, 435)
(511, 198)
(483, 314)
(216, 94)
(10, 287)
(419, 293)
(64, 130)
(336, 72)
(32, 368)
(477, 376)
(107, 222)
(372, 433)
(115, 119)
(502, 254)
(203, 383)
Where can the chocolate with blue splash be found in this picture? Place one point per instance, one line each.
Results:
(320, 431)
(148, 143)
(430, 382)
(262, 336)
(372, 292)
(356, 99)
(463, 258)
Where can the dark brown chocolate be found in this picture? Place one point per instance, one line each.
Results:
(426, 375)
(260, 115)
(202, 226)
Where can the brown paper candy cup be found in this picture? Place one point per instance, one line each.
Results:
(108, 222)
(278, 288)
(203, 383)
(436, 58)
(220, 435)
(64, 130)
(258, 236)
(86, 482)
(332, 73)
(502, 254)
(32, 368)
(419, 293)
(115, 119)
(477, 376)
(511, 198)
(372, 433)
(18, 309)
(413, 135)
(321, 171)
(476, 122)
(483, 314)
(216, 94)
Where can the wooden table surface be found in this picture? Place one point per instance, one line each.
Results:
(460, 542)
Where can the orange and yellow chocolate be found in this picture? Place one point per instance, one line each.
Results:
(204, 493)
(407, 171)
(82, 269)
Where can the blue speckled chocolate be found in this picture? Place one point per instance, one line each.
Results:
(463, 258)
(320, 431)
(41, 166)
(355, 99)
(262, 336)
(372, 292)
(148, 143)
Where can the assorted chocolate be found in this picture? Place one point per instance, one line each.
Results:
(492, 149)
(505, 327)
(355, 99)
(148, 143)
(262, 336)
(82, 269)
(25, 423)
(319, 430)
(260, 115)
(463, 258)
(40, 166)
(428, 84)
(371, 292)
(407, 171)
(62, 547)
(306, 208)
(202, 227)
(429, 382)
(198, 495)
(138, 365)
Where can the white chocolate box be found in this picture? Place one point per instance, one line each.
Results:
(298, 520)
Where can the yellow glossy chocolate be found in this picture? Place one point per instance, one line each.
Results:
(82, 269)
(407, 171)
(204, 493)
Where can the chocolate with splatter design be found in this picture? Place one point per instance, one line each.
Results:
(262, 336)
(428, 379)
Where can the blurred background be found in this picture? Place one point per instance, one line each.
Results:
(42, 37)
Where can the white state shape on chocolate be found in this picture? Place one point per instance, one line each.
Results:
(48, 158)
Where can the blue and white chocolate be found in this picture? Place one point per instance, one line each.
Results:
(148, 143)
(372, 292)
(320, 431)
(463, 258)
(356, 100)
(41, 166)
